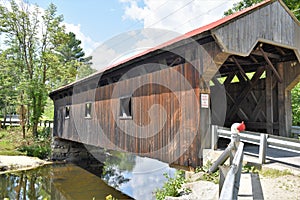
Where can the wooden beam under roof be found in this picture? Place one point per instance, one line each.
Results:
(270, 64)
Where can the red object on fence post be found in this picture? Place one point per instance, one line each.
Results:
(241, 127)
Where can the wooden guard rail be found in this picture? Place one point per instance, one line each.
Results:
(296, 131)
(230, 177)
(43, 123)
(263, 140)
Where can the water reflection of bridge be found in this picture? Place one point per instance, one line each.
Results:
(59, 182)
(124, 176)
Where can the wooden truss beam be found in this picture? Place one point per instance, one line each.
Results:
(271, 66)
(260, 53)
(246, 91)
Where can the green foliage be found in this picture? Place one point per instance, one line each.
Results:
(11, 139)
(39, 57)
(172, 186)
(241, 5)
(250, 169)
(274, 173)
(36, 151)
(49, 110)
(266, 172)
(293, 5)
(214, 177)
(41, 147)
(296, 104)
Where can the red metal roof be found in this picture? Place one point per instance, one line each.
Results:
(190, 34)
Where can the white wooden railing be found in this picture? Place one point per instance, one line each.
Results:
(230, 176)
(263, 140)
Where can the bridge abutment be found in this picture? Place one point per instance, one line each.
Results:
(89, 157)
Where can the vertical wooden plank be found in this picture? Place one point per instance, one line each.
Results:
(145, 116)
(281, 102)
(112, 110)
(269, 101)
(138, 118)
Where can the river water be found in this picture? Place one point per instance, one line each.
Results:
(122, 176)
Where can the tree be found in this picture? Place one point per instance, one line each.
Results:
(70, 53)
(241, 5)
(8, 91)
(31, 50)
(293, 5)
(44, 55)
(295, 105)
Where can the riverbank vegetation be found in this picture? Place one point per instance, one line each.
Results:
(13, 143)
(37, 56)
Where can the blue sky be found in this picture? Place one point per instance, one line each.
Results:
(101, 23)
(99, 20)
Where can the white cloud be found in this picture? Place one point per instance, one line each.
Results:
(88, 44)
(128, 44)
(180, 15)
(163, 20)
(147, 175)
(103, 56)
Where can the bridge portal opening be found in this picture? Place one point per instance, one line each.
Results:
(257, 89)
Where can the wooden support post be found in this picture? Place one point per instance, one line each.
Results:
(263, 148)
(281, 104)
(269, 102)
(205, 121)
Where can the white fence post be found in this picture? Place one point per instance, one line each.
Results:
(263, 148)
(214, 137)
(223, 171)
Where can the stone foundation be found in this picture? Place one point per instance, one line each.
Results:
(89, 157)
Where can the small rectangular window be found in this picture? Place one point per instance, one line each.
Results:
(67, 112)
(88, 110)
(125, 108)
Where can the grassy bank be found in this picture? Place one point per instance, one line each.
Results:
(12, 143)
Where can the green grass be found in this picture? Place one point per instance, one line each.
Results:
(10, 140)
(266, 172)
(12, 143)
(274, 173)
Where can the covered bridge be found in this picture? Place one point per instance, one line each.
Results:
(161, 103)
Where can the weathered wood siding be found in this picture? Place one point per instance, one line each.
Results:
(271, 24)
(165, 116)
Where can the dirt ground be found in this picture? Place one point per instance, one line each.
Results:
(12, 163)
(281, 188)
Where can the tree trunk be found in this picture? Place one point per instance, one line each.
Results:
(23, 120)
(34, 116)
(5, 114)
(35, 129)
(22, 113)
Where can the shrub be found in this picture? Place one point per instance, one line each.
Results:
(172, 186)
(39, 151)
(295, 104)
(213, 177)
(41, 147)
